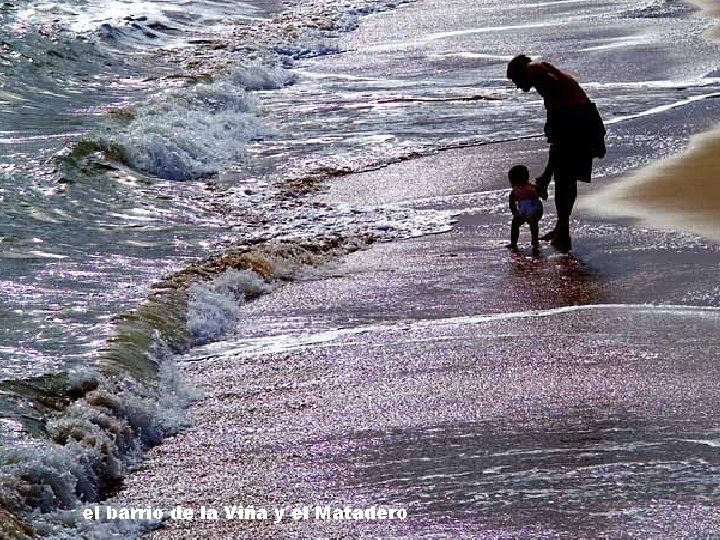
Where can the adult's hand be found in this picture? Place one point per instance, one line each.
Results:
(541, 185)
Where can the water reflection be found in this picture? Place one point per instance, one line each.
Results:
(553, 279)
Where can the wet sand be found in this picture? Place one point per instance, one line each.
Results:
(490, 394)
(679, 192)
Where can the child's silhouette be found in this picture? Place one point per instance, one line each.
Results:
(525, 205)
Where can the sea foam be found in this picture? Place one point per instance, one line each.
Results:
(214, 307)
(91, 445)
(190, 134)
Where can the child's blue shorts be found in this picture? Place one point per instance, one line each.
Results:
(530, 209)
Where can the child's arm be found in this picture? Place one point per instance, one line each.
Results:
(513, 205)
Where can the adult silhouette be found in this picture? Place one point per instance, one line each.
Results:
(574, 130)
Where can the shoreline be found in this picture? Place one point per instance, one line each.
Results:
(420, 293)
(349, 358)
(289, 427)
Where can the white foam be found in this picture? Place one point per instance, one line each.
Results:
(99, 438)
(188, 135)
(715, 443)
(132, 22)
(214, 307)
(283, 343)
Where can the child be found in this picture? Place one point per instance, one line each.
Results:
(524, 205)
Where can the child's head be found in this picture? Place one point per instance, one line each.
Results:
(518, 175)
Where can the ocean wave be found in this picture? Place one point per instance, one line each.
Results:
(96, 424)
(183, 145)
(195, 131)
(215, 307)
(184, 133)
(99, 17)
(75, 435)
(90, 444)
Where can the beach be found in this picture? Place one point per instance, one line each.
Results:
(322, 334)
(491, 394)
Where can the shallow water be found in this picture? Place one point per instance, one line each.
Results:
(138, 141)
(493, 395)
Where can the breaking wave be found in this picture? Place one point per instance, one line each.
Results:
(84, 449)
(198, 131)
(179, 141)
(215, 307)
(70, 438)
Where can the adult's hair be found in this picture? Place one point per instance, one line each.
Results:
(516, 66)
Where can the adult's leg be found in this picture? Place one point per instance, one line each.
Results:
(556, 159)
(565, 195)
(550, 235)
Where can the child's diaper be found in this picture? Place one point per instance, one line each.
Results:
(530, 208)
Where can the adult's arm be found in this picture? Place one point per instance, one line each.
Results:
(544, 179)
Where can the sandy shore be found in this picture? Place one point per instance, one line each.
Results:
(490, 394)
